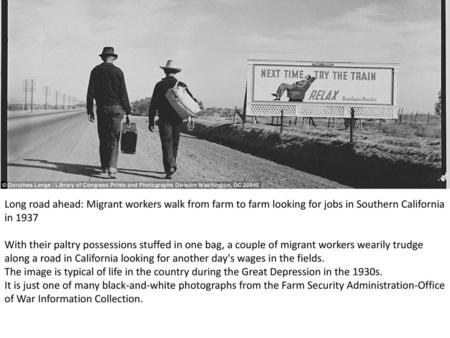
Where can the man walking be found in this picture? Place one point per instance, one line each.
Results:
(169, 122)
(107, 87)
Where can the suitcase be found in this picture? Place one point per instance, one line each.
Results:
(129, 138)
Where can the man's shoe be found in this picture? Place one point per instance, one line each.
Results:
(170, 173)
(103, 173)
(112, 173)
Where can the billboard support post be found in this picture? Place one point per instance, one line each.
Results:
(236, 112)
(244, 110)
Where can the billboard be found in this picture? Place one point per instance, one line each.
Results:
(352, 85)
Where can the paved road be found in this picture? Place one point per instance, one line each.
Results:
(64, 147)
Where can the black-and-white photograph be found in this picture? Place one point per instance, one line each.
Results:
(224, 94)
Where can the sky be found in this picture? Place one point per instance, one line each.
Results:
(57, 42)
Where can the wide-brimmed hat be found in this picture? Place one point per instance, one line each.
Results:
(170, 65)
(108, 51)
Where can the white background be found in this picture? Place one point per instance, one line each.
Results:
(241, 314)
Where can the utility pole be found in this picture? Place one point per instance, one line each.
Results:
(56, 104)
(64, 101)
(46, 96)
(29, 86)
(25, 89)
(33, 88)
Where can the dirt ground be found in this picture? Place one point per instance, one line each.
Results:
(65, 148)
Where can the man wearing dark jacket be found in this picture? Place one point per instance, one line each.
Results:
(107, 87)
(169, 121)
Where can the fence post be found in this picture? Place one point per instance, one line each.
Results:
(273, 117)
(352, 119)
(428, 118)
(281, 119)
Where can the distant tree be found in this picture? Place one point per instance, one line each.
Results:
(438, 105)
(140, 107)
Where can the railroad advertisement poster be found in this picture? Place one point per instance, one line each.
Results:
(325, 83)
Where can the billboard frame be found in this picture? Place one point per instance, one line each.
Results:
(319, 109)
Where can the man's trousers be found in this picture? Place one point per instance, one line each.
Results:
(169, 133)
(109, 120)
(282, 88)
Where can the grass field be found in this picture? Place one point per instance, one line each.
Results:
(407, 126)
(390, 153)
